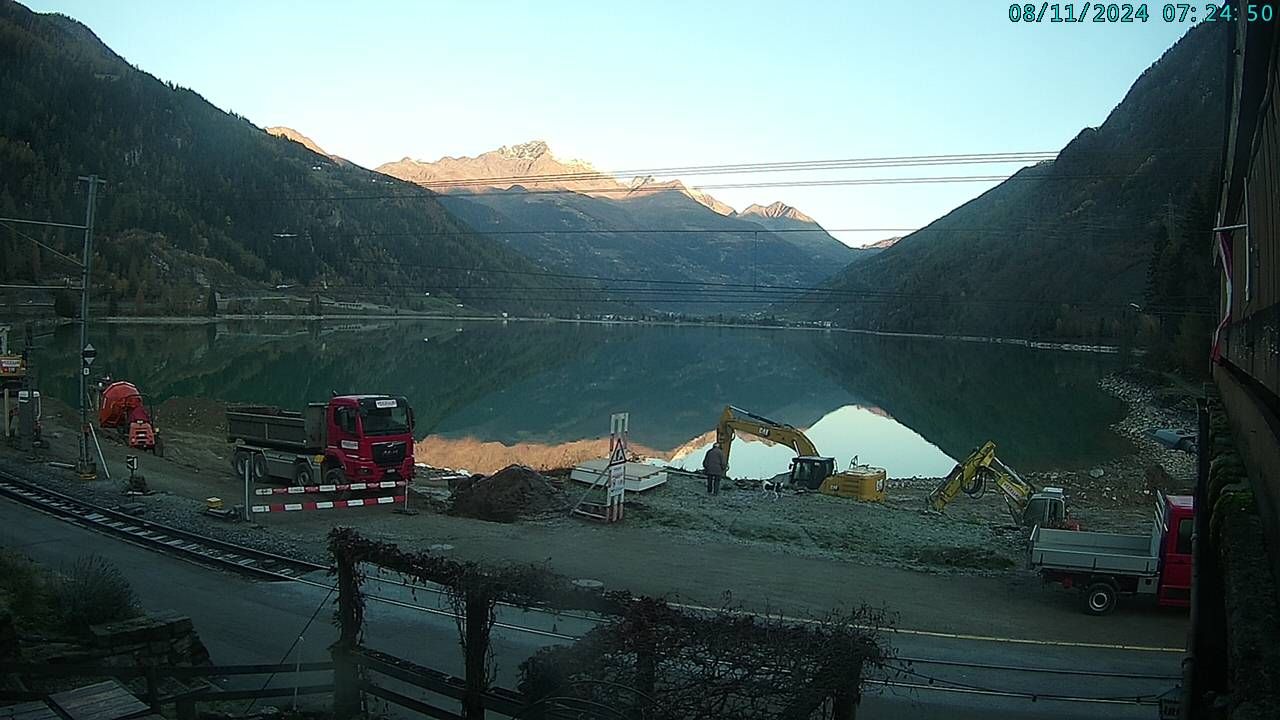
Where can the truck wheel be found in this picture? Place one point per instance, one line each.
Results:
(1099, 598)
(259, 466)
(302, 474)
(239, 461)
(334, 476)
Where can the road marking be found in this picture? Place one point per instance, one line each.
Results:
(958, 636)
(1033, 697)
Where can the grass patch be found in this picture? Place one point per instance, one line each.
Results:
(677, 519)
(766, 533)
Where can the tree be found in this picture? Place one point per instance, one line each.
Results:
(64, 304)
(211, 303)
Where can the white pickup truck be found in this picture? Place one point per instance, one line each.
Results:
(1106, 565)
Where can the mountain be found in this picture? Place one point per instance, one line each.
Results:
(306, 142)
(571, 217)
(1123, 215)
(502, 168)
(195, 196)
(804, 232)
(778, 214)
(884, 244)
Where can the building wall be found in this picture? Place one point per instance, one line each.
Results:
(1248, 378)
(1252, 197)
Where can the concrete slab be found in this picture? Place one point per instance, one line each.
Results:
(639, 478)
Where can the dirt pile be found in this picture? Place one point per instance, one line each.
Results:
(514, 492)
(199, 416)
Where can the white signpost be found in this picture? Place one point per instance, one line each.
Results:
(617, 470)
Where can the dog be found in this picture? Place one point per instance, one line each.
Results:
(771, 487)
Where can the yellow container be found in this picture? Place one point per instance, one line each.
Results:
(213, 503)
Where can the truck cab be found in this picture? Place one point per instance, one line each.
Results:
(1175, 551)
(368, 438)
(1046, 508)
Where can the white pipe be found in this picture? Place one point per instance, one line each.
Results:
(98, 445)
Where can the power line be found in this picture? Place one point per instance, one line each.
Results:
(784, 166)
(674, 283)
(67, 286)
(16, 231)
(1093, 229)
(743, 168)
(925, 180)
(47, 223)
(578, 296)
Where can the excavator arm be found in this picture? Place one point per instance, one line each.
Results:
(964, 477)
(738, 420)
(971, 475)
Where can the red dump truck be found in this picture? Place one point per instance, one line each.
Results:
(350, 438)
(1107, 565)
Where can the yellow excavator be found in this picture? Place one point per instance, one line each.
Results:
(809, 470)
(1027, 505)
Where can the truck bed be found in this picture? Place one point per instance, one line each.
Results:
(1109, 553)
(276, 428)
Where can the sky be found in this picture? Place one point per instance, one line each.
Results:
(655, 84)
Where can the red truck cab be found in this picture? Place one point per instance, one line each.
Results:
(369, 438)
(1175, 552)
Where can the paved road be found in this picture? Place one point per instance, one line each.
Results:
(243, 621)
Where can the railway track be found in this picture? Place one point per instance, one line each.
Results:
(157, 536)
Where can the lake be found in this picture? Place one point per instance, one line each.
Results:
(911, 405)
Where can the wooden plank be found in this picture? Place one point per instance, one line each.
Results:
(214, 695)
(35, 710)
(405, 701)
(121, 673)
(495, 699)
(107, 700)
(70, 670)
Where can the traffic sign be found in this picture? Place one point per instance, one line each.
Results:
(88, 354)
(619, 454)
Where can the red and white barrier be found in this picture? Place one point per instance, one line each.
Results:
(328, 504)
(304, 489)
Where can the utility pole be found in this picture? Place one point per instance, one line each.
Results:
(86, 467)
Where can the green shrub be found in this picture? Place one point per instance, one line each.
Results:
(92, 591)
(23, 587)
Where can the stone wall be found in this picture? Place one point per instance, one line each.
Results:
(160, 639)
(1250, 594)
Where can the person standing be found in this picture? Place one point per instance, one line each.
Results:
(715, 466)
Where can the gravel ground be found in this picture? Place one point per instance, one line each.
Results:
(974, 536)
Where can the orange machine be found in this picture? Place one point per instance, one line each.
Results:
(122, 406)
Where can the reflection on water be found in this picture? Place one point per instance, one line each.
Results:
(849, 431)
(908, 404)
